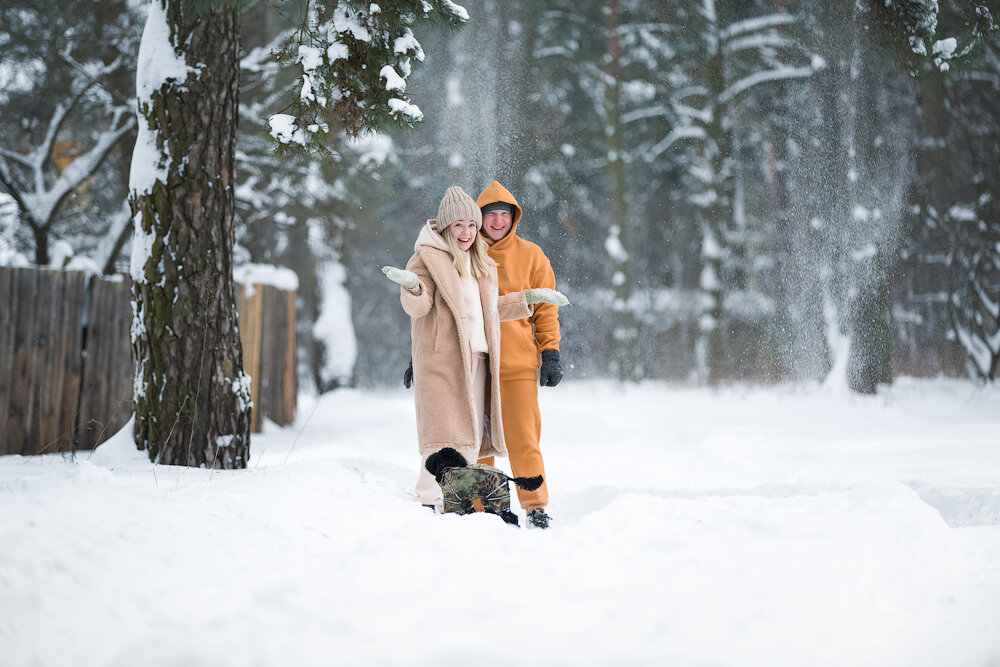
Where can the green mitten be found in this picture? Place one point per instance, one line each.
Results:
(407, 279)
(545, 295)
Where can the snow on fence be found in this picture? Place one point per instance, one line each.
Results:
(66, 363)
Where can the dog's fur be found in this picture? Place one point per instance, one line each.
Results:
(445, 458)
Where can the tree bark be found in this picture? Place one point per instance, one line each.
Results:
(191, 395)
(626, 333)
(41, 245)
(715, 213)
(870, 356)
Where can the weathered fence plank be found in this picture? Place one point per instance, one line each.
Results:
(289, 370)
(106, 390)
(20, 403)
(42, 339)
(59, 373)
(249, 304)
(278, 355)
(6, 350)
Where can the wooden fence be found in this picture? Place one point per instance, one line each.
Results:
(66, 369)
(267, 331)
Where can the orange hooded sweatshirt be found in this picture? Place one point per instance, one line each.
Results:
(521, 265)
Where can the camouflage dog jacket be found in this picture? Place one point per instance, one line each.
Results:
(476, 487)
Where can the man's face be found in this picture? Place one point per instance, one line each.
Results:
(497, 223)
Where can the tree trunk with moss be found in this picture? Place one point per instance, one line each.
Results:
(192, 404)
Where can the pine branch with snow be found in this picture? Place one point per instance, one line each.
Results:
(912, 27)
(353, 59)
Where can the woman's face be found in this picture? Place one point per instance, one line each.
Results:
(464, 232)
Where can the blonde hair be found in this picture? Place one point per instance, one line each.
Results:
(479, 260)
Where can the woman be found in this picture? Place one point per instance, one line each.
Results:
(449, 290)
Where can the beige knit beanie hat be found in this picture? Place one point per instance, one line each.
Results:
(456, 205)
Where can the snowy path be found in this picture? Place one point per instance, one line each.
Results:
(741, 527)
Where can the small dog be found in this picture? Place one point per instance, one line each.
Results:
(477, 487)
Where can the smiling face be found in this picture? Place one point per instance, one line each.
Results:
(497, 223)
(464, 231)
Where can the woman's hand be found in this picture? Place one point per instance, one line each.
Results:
(545, 295)
(407, 279)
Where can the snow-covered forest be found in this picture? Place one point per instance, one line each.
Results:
(762, 191)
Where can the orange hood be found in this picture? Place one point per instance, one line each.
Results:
(495, 192)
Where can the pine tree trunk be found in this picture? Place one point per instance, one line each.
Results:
(715, 212)
(869, 360)
(626, 333)
(870, 357)
(192, 403)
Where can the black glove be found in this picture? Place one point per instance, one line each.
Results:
(408, 375)
(551, 371)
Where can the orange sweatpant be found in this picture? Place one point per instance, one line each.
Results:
(522, 429)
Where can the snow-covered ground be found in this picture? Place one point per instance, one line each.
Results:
(788, 526)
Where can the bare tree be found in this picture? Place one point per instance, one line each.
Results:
(31, 176)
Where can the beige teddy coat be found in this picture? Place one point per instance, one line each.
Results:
(442, 357)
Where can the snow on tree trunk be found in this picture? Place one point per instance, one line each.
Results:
(714, 202)
(798, 329)
(334, 330)
(736, 60)
(866, 224)
(192, 398)
(869, 361)
(626, 331)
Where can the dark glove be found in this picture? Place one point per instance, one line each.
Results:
(551, 371)
(408, 375)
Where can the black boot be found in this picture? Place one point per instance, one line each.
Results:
(537, 518)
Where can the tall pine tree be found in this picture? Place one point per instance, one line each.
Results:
(192, 397)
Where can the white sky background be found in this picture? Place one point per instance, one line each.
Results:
(744, 527)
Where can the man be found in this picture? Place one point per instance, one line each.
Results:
(529, 348)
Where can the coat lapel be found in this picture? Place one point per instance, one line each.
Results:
(439, 265)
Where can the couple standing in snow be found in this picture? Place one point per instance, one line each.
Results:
(470, 272)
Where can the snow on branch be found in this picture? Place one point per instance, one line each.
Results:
(641, 114)
(36, 194)
(684, 111)
(90, 72)
(40, 203)
(262, 58)
(676, 134)
(779, 74)
(754, 24)
(43, 201)
(457, 10)
(16, 157)
(353, 58)
(7, 180)
(550, 51)
(42, 152)
(758, 42)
